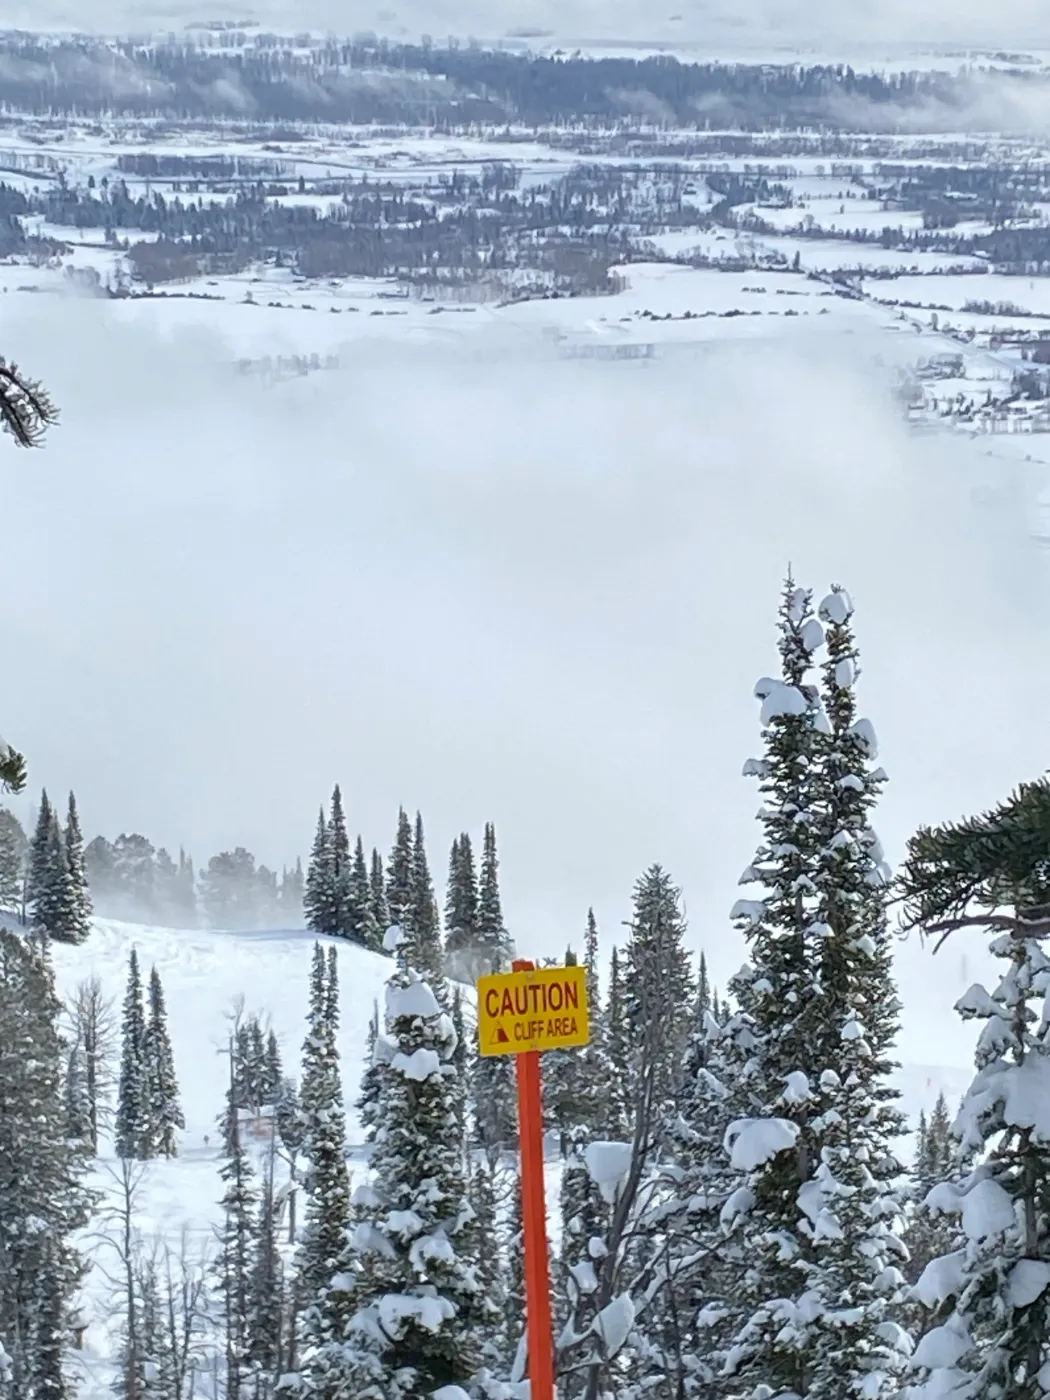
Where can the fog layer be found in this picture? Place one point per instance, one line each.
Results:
(494, 585)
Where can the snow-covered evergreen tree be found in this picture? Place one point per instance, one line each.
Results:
(990, 1296)
(820, 1280)
(367, 1104)
(415, 1328)
(363, 927)
(617, 1113)
(658, 984)
(43, 1199)
(461, 911)
(80, 909)
(495, 948)
(327, 1185)
(377, 887)
(399, 885)
(133, 1130)
(319, 899)
(339, 870)
(266, 1292)
(930, 1234)
(50, 895)
(427, 953)
(854, 1203)
(166, 1118)
(774, 1148)
(13, 849)
(233, 1267)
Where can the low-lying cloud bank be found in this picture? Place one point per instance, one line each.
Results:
(495, 585)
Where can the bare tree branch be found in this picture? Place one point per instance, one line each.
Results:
(26, 408)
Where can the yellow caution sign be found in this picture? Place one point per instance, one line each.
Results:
(542, 1009)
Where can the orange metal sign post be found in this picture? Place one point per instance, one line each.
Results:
(545, 1009)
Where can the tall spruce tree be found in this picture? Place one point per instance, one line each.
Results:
(819, 1283)
(461, 911)
(493, 940)
(930, 1234)
(658, 983)
(363, 927)
(494, 1081)
(341, 915)
(399, 874)
(377, 903)
(233, 1267)
(39, 853)
(774, 1347)
(617, 1111)
(13, 848)
(80, 909)
(858, 1018)
(424, 926)
(133, 1130)
(323, 1238)
(166, 1118)
(50, 893)
(414, 1330)
(367, 1104)
(318, 899)
(44, 1202)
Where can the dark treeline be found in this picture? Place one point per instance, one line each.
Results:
(370, 80)
(567, 234)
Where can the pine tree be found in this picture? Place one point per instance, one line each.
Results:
(377, 903)
(594, 1074)
(265, 1310)
(80, 909)
(818, 1243)
(930, 1234)
(319, 898)
(339, 871)
(367, 1104)
(326, 1181)
(617, 1114)
(399, 874)
(272, 1072)
(363, 927)
(462, 1062)
(13, 848)
(426, 953)
(483, 1250)
(39, 853)
(44, 1203)
(461, 911)
(658, 983)
(234, 1264)
(858, 1013)
(493, 940)
(584, 1217)
(774, 1346)
(133, 1134)
(50, 890)
(495, 1095)
(413, 1330)
(166, 1117)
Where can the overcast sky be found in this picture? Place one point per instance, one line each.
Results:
(503, 587)
(847, 27)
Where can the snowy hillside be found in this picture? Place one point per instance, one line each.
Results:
(204, 973)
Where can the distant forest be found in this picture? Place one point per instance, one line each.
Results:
(262, 77)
